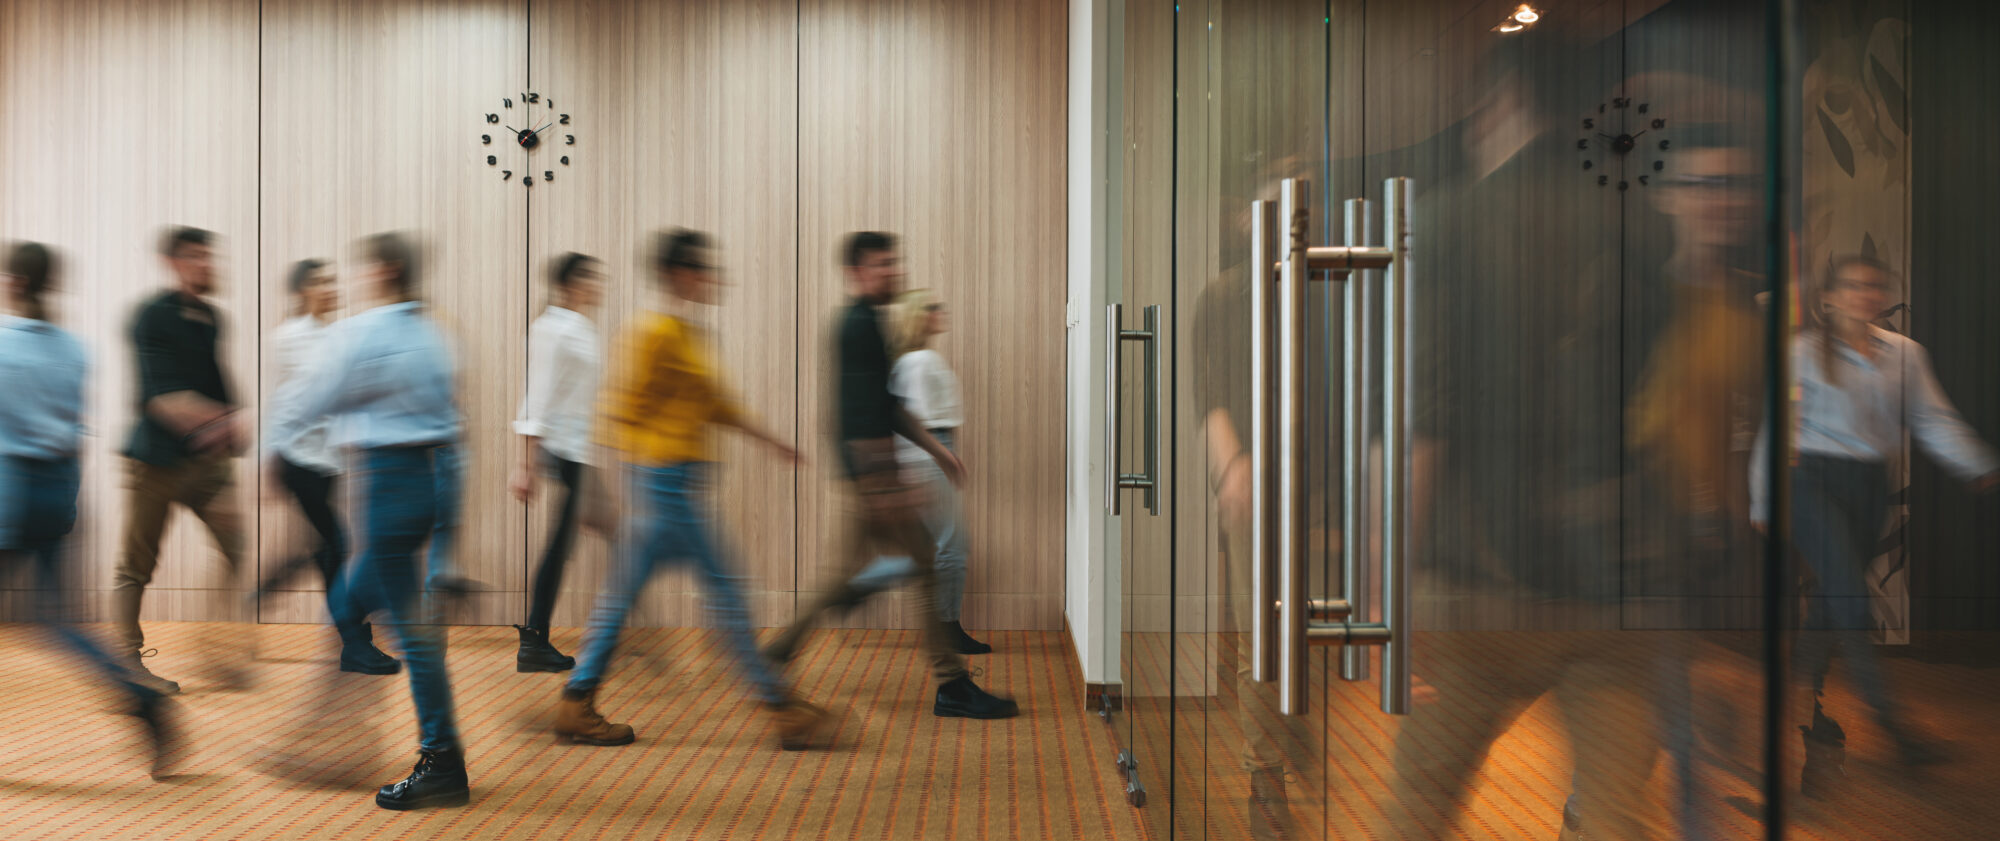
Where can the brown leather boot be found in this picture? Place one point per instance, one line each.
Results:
(578, 721)
(798, 723)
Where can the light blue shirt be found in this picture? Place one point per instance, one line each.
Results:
(1863, 417)
(385, 374)
(42, 369)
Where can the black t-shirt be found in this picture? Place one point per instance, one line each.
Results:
(174, 337)
(867, 408)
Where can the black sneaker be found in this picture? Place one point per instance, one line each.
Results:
(438, 780)
(538, 655)
(961, 698)
(136, 664)
(163, 734)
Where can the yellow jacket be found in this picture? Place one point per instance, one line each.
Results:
(663, 393)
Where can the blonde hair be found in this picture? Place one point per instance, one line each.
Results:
(910, 322)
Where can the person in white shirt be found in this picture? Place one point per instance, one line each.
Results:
(929, 390)
(309, 469)
(1860, 388)
(564, 361)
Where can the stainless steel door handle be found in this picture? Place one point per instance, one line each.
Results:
(1116, 337)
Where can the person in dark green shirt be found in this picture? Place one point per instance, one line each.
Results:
(182, 447)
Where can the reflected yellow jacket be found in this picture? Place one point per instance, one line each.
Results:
(663, 393)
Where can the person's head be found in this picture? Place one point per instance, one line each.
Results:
(874, 268)
(312, 281)
(685, 263)
(30, 274)
(576, 283)
(1855, 290)
(914, 318)
(1712, 188)
(190, 255)
(391, 266)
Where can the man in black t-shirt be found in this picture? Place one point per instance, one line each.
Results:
(868, 417)
(181, 448)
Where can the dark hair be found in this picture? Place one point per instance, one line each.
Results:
(564, 270)
(181, 236)
(680, 248)
(1827, 341)
(36, 266)
(397, 250)
(302, 273)
(861, 243)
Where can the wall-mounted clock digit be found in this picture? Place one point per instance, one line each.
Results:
(535, 115)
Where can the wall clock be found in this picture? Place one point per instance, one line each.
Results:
(541, 140)
(1620, 141)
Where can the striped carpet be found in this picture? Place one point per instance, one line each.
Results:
(1351, 788)
(299, 753)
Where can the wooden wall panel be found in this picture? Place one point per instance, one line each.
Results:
(372, 117)
(942, 122)
(683, 119)
(121, 118)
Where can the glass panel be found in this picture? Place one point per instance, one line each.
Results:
(1585, 382)
(1886, 115)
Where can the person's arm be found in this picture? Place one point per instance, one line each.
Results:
(628, 398)
(908, 427)
(1942, 431)
(320, 390)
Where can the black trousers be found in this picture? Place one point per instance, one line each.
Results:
(548, 576)
(314, 492)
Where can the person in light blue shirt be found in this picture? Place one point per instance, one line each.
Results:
(1860, 388)
(387, 375)
(42, 372)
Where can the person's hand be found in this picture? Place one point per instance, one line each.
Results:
(221, 435)
(270, 489)
(788, 453)
(1985, 484)
(953, 468)
(1422, 692)
(522, 483)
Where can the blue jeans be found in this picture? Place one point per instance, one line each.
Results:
(944, 516)
(444, 535)
(401, 509)
(670, 525)
(37, 511)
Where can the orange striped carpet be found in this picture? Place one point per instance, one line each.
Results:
(299, 753)
(1948, 685)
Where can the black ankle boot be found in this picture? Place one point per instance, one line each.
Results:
(963, 642)
(358, 653)
(537, 655)
(961, 698)
(438, 780)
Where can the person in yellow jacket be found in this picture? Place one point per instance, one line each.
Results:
(660, 406)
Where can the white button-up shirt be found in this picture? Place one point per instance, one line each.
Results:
(564, 363)
(297, 343)
(929, 391)
(1863, 417)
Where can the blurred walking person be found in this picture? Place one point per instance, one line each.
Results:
(924, 381)
(181, 448)
(387, 375)
(42, 371)
(887, 509)
(309, 469)
(1860, 388)
(661, 406)
(554, 424)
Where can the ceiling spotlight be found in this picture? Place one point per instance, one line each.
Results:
(1526, 15)
(1509, 26)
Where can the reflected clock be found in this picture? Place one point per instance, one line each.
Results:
(1621, 142)
(509, 150)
